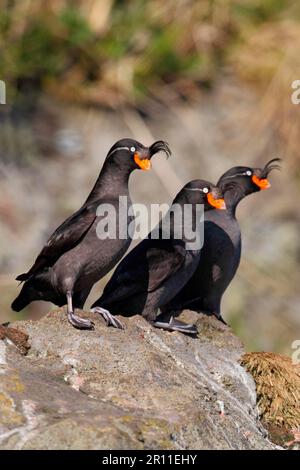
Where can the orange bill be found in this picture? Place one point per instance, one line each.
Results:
(217, 203)
(144, 163)
(262, 183)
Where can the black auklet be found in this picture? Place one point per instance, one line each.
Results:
(221, 252)
(160, 265)
(74, 258)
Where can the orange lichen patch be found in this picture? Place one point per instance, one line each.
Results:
(8, 413)
(13, 383)
(278, 388)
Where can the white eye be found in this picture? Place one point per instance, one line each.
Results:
(205, 190)
(132, 149)
(248, 173)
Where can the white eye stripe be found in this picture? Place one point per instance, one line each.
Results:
(117, 149)
(246, 173)
(198, 189)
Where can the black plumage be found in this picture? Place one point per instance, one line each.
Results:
(220, 256)
(157, 268)
(74, 258)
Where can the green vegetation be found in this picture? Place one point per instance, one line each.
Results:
(107, 52)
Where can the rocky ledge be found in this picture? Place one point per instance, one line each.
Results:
(138, 388)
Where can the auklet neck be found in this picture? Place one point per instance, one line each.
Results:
(112, 180)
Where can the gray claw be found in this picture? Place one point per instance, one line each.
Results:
(80, 323)
(108, 317)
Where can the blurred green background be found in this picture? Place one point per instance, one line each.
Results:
(213, 78)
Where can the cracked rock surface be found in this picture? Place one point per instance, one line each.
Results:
(138, 388)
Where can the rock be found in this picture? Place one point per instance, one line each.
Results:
(17, 337)
(138, 388)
